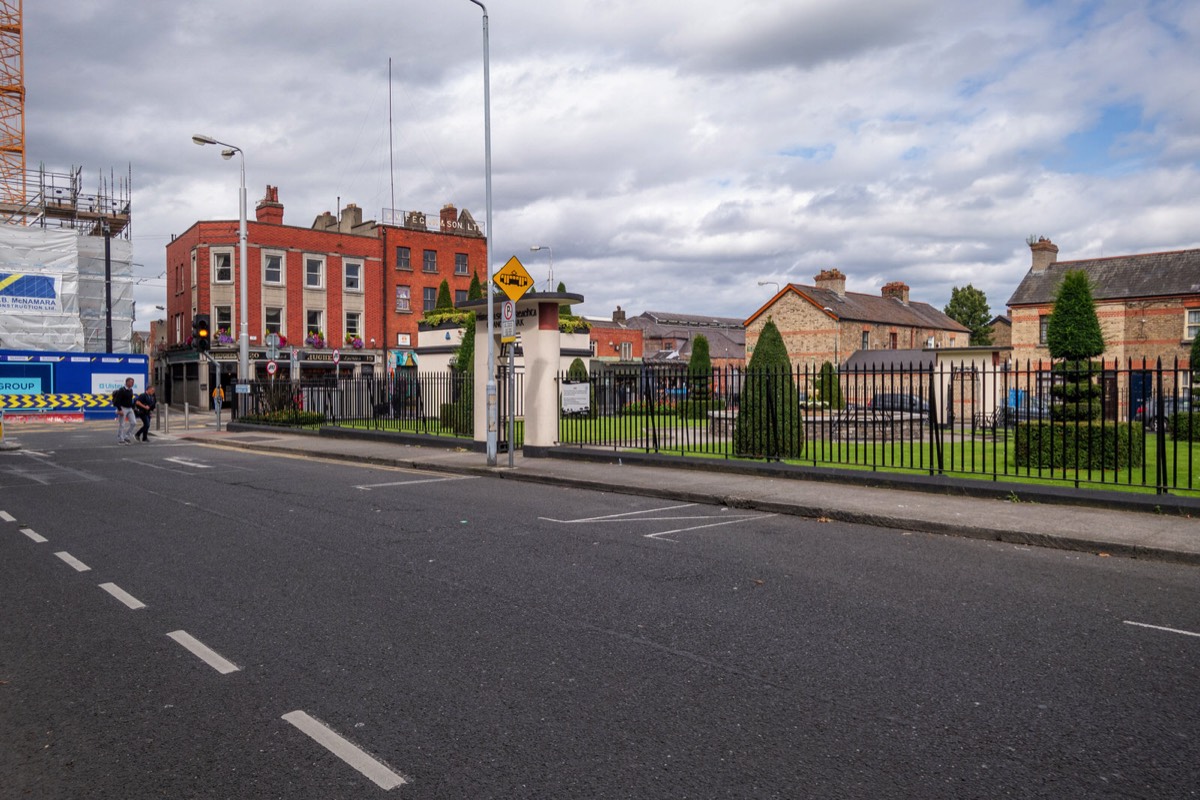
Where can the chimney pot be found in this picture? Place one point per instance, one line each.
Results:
(897, 290)
(832, 280)
(1045, 253)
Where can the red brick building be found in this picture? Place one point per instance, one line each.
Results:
(341, 283)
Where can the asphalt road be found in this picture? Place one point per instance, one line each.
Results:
(187, 621)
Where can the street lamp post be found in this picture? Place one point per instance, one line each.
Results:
(243, 311)
(492, 407)
(550, 280)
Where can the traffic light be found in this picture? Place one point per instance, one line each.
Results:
(201, 333)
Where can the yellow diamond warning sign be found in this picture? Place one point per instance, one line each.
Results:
(513, 280)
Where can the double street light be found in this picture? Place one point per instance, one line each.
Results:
(550, 281)
(243, 313)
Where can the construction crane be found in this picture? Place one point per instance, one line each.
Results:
(12, 104)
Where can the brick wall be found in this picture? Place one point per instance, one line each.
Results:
(379, 277)
(1143, 329)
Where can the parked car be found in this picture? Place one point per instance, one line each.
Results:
(1028, 409)
(1147, 412)
(899, 402)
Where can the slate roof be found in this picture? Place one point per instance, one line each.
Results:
(916, 360)
(1118, 277)
(857, 307)
(726, 336)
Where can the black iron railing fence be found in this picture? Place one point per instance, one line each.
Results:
(1091, 424)
(431, 403)
(1087, 423)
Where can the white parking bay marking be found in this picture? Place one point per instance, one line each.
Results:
(204, 652)
(369, 486)
(4, 515)
(663, 534)
(615, 516)
(122, 595)
(73, 561)
(1161, 628)
(372, 768)
(32, 534)
(188, 463)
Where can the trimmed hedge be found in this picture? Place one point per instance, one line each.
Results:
(286, 417)
(1184, 427)
(1084, 445)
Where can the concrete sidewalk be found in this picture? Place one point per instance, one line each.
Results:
(1174, 537)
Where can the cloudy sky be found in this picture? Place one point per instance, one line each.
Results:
(673, 154)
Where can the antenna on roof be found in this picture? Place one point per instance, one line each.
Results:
(1031, 239)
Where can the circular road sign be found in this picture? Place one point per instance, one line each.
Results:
(337, 356)
(272, 367)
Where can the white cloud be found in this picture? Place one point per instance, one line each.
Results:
(673, 154)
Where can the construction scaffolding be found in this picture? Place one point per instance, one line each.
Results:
(58, 200)
(12, 103)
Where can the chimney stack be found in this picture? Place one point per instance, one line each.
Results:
(618, 315)
(269, 209)
(1045, 253)
(449, 218)
(832, 280)
(351, 218)
(897, 290)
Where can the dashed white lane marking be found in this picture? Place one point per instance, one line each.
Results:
(369, 486)
(369, 766)
(73, 561)
(122, 595)
(32, 534)
(4, 515)
(187, 463)
(662, 535)
(615, 516)
(204, 652)
(1161, 628)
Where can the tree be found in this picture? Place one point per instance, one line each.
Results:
(699, 369)
(1073, 337)
(968, 306)
(768, 423)
(1194, 362)
(444, 300)
(462, 409)
(475, 292)
(577, 371)
(828, 388)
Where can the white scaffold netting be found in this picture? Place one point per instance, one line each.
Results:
(52, 291)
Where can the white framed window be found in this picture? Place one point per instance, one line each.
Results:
(352, 275)
(430, 262)
(353, 324)
(193, 268)
(222, 323)
(866, 340)
(403, 299)
(273, 320)
(1043, 326)
(1193, 324)
(273, 268)
(460, 264)
(314, 323)
(222, 266)
(314, 272)
(403, 258)
(626, 351)
(429, 298)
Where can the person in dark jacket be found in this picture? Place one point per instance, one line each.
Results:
(143, 406)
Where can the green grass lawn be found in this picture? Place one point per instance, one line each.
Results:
(983, 456)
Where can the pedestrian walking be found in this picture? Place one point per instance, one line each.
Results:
(123, 399)
(143, 406)
(218, 398)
